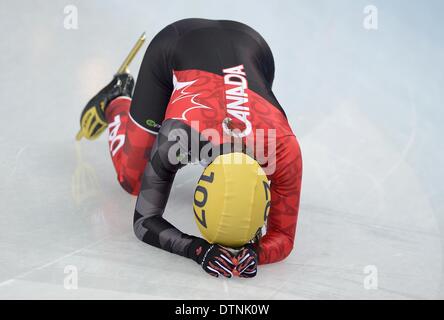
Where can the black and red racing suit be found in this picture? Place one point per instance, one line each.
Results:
(184, 83)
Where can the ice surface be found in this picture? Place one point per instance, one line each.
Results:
(367, 107)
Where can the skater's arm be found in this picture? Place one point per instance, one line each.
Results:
(149, 224)
(278, 242)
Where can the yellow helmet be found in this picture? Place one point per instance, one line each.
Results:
(231, 200)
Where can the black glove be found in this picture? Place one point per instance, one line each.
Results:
(246, 262)
(218, 262)
(92, 119)
(214, 259)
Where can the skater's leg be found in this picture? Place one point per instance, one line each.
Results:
(133, 130)
(129, 144)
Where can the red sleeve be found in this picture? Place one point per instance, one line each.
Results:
(129, 144)
(277, 243)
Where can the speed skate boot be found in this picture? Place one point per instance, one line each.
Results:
(92, 119)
